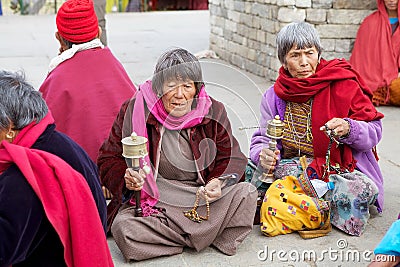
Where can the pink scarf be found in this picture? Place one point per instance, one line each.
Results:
(150, 194)
(65, 195)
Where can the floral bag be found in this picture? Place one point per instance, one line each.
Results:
(350, 199)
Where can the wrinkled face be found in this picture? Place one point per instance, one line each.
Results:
(302, 63)
(391, 5)
(178, 96)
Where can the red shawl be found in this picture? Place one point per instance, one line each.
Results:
(338, 91)
(376, 51)
(65, 195)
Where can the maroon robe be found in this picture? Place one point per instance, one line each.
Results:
(84, 94)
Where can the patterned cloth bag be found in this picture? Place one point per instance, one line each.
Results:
(287, 208)
(285, 167)
(350, 200)
(291, 204)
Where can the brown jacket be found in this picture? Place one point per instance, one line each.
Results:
(214, 129)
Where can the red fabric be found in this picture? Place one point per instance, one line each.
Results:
(198, 4)
(85, 94)
(77, 21)
(338, 91)
(65, 195)
(376, 51)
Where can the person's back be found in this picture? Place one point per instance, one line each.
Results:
(46, 248)
(376, 51)
(53, 210)
(86, 84)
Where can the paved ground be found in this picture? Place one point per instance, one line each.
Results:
(137, 39)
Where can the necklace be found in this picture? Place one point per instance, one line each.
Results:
(298, 136)
(192, 214)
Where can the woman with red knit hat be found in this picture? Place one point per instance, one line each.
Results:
(86, 84)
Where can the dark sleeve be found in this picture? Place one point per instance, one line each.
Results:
(110, 161)
(21, 215)
(229, 157)
(64, 147)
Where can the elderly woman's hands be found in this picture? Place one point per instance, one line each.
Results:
(268, 158)
(339, 127)
(134, 180)
(213, 189)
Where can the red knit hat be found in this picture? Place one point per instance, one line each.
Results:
(77, 22)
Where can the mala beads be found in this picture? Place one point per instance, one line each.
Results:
(193, 214)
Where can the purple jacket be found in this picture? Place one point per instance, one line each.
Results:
(363, 137)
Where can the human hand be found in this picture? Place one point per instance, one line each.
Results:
(268, 158)
(338, 126)
(134, 180)
(213, 189)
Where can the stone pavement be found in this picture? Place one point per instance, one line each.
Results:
(137, 39)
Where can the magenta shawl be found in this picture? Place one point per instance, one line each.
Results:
(84, 94)
(146, 95)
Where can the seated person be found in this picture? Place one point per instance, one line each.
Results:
(312, 95)
(194, 158)
(86, 84)
(376, 53)
(52, 210)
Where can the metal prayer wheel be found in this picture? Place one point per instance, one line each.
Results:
(133, 149)
(274, 132)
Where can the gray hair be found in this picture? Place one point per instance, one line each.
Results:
(20, 103)
(179, 64)
(301, 34)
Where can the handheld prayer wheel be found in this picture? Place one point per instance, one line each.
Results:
(274, 132)
(134, 148)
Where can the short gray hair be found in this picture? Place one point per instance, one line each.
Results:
(177, 63)
(20, 103)
(301, 34)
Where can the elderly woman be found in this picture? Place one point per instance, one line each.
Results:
(196, 162)
(52, 210)
(312, 95)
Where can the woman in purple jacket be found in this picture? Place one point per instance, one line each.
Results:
(313, 96)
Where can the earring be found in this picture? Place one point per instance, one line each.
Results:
(10, 135)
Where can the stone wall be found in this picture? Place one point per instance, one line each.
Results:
(243, 31)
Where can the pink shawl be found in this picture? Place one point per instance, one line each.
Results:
(376, 51)
(146, 95)
(65, 195)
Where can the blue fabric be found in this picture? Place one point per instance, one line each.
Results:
(393, 20)
(390, 244)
